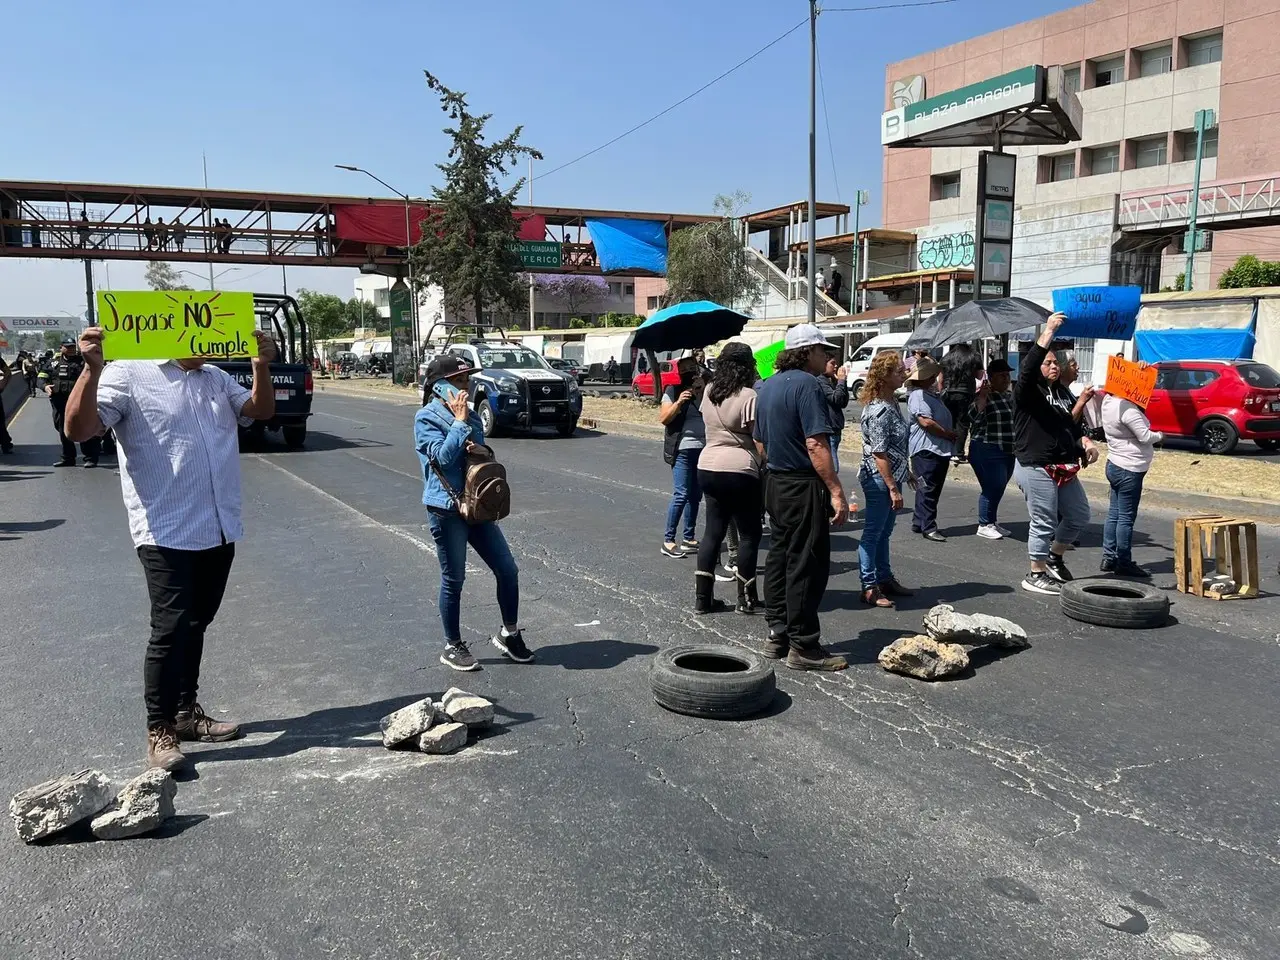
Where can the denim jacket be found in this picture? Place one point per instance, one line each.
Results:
(438, 436)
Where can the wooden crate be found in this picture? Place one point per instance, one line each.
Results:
(1209, 543)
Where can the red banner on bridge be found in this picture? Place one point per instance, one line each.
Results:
(383, 223)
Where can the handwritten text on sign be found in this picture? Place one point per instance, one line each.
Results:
(1130, 381)
(176, 324)
(1105, 313)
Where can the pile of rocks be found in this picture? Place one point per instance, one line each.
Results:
(141, 806)
(440, 726)
(940, 651)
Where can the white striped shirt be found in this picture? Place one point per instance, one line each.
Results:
(179, 451)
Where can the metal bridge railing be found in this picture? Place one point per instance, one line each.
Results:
(1256, 198)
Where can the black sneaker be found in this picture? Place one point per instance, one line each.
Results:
(1108, 565)
(1041, 583)
(65, 463)
(1131, 569)
(1057, 568)
(674, 551)
(726, 574)
(513, 647)
(456, 656)
(690, 546)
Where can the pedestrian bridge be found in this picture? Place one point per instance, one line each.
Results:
(1222, 205)
(176, 224)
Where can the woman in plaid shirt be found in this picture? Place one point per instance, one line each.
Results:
(990, 421)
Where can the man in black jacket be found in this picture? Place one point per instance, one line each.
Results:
(1050, 449)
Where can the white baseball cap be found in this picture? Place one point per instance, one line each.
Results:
(806, 335)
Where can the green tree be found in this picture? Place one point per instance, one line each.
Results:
(162, 276)
(324, 313)
(709, 261)
(53, 340)
(467, 237)
(359, 312)
(1249, 271)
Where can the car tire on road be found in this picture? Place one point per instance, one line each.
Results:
(855, 391)
(566, 429)
(1217, 435)
(1115, 603)
(295, 436)
(712, 680)
(488, 420)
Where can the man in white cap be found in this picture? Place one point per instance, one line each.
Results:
(804, 499)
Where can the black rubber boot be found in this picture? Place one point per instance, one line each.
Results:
(704, 601)
(748, 601)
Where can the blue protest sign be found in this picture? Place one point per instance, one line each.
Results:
(1104, 313)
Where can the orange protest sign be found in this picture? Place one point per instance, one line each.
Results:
(1130, 381)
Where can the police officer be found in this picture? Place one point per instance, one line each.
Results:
(57, 378)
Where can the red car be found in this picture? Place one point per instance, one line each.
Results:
(1218, 402)
(642, 383)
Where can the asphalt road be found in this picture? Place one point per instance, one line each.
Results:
(1102, 794)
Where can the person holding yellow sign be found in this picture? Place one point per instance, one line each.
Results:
(175, 423)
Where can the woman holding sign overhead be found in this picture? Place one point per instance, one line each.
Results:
(1130, 449)
(1050, 449)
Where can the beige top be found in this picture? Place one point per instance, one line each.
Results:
(730, 448)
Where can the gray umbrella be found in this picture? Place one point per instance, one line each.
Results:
(976, 320)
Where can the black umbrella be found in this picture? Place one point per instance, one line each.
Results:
(976, 320)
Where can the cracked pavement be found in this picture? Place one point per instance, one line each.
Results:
(1102, 794)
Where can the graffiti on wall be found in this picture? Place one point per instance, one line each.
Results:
(949, 250)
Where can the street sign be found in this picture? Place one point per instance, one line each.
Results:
(544, 254)
(997, 221)
(995, 262)
(1019, 88)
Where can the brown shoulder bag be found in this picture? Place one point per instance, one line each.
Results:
(486, 497)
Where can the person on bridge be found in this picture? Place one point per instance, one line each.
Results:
(442, 434)
(176, 429)
(179, 234)
(804, 498)
(58, 377)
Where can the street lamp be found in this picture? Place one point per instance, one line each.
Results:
(212, 276)
(408, 242)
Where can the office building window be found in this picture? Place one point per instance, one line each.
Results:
(944, 186)
(1152, 152)
(1062, 167)
(1204, 50)
(615, 289)
(380, 296)
(1109, 71)
(629, 289)
(1104, 159)
(1187, 144)
(1071, 79)
(1156, 61)
(651, 303)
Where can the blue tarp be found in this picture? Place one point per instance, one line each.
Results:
(1197, 343)
(631, 246)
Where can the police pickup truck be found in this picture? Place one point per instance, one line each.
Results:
(515, 388)
(291, 377)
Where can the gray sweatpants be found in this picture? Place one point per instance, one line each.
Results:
(1045, 499)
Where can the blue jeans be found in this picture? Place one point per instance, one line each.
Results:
(993, 468)
(1046, 501)
(1117, 532)
(686, 495)
(878, 519)
(834, 441)
(452, 534)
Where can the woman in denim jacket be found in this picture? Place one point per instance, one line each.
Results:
(443, 433)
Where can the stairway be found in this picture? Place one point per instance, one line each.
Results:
(784, 296)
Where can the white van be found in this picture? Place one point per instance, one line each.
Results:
(860, 362)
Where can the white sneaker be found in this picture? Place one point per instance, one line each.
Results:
(1003, 531)
(990, 532)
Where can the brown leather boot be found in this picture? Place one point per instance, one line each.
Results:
(195, 724)
(815, 658)
(162, 748)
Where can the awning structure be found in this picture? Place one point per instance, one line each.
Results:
(633, 247)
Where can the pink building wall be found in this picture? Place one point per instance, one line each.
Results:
(1249, 113)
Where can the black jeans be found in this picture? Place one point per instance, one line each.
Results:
(931, 474)
(799, 561)
(730, 498)
(6, 441)
(90, 448)
(957, 404)
(186, 588)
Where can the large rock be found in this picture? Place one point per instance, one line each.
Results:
(444, 738)
(59, 803)
(923, 658)
(942, 623)
(143, 805)
(407, 723)
(463, 707)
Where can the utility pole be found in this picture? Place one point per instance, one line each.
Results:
(1205, 120)
(860, 199)
(531, 288)
(810, 300)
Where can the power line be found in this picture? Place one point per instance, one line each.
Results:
(683, 100)
(826, 117)
(886, 6)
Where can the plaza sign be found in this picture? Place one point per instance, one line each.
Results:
(982, 99)
(41, 324)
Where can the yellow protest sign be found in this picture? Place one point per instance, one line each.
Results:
(1130, 381)
(176, 324)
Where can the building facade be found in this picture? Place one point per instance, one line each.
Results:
(1142, 69)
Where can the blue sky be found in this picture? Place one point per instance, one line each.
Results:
(277, 91)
